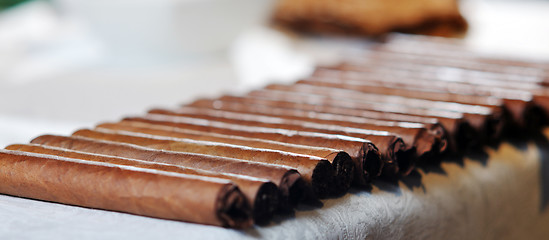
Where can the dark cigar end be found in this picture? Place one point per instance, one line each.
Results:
(293, 189)
(466, 139)
(535, 118)
(391, 165)
(372, 163)
(233, 210)
(497, 126)
(344, 172)
(426, 145)
(323, 179)
(265, 203)
(404, 157)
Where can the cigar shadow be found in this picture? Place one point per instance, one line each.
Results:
(480, 156)
(388, 185)
(281, 217)
(310, 205)
(543, 145)
(413, 180)
(522, 143)
(432, 168)
(458, 160)
(357, 190)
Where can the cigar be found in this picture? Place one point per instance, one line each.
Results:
(438, 48)
(495, 106)
(288, 181)
(389, 57)
(365, 155)
(479, 117)
(139, 191)
(374, 60)
(463, 137)
(391, 147)
(340, 160)
(318, 173)
(400, 75)
(516, 98)
(261, 194)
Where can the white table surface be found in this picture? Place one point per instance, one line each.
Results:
(58, 91)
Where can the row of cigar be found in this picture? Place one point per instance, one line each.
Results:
(236, 160)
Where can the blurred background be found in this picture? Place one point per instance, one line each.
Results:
(68, 64)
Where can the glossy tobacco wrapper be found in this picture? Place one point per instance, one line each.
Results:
(288, 181)
(512, 117)
(463, 137)
(133, 190)
(317, 172)
(391, 147)
(491, 126)
(260, 193)
(341, 161)
(367, 159)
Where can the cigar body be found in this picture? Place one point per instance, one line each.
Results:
(341, 161)
(262, 194)
(515, 97)
(496, 108)
(391, 147)
(318, 173)
(462, 135)
(443, 47)
(471, 94)
(288, 181)
(491, 125)
(386, 56)
(133, 190)
(365, 155)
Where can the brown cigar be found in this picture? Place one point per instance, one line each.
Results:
(380, 56)
(443, 47)
(289, 181)
(462, 139)
(374, 61)
(479, 117)
(438, 75)
(318, 173)
(153, 193)
(392, 149)
(365, 155)
(260, 193)
(341, 161)
(515, 98)
(496, 107)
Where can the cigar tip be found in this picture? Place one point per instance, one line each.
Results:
(233, 210)
(372, 163)
(292, 190)
(535, 117)
(466, 138)
(426, 145)
(404, 157)
(344, 172)
(265, 203)
(323, 179)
